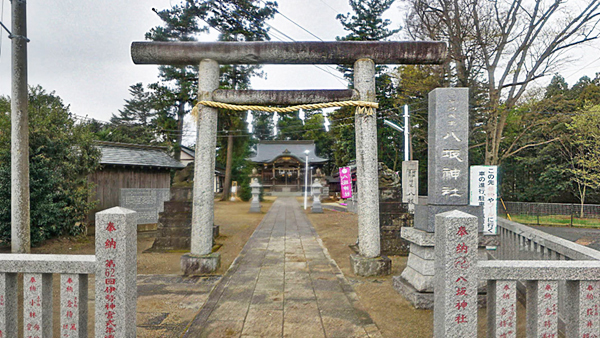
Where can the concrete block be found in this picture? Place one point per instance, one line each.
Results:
(194, 265)
(364, 266)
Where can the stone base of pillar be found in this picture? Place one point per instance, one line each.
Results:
(363, 266)
(197, 265)
(255, 207)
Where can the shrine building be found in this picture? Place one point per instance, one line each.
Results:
(281, 164)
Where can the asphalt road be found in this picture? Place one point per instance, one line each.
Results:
(584, 236)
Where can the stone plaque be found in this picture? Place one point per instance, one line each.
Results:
(147, 202)
(448, 153)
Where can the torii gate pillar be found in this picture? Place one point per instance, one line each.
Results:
(368, 262)
(201, 259)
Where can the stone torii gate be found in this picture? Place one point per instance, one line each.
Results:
(209, 55)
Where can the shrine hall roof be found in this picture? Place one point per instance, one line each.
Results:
(268, 151)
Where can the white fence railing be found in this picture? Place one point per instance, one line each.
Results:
(115, 267)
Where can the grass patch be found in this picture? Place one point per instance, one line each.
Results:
(556, 220)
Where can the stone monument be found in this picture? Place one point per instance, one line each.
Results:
(255, 185)
(448, 189)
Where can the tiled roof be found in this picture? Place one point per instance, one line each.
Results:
(136, 155)
(268, 151)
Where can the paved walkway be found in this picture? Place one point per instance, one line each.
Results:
(283, 284)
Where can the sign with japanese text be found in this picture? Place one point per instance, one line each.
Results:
(484, 191)
(346, 182)
(410, 184)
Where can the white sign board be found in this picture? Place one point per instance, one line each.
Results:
(484, 191)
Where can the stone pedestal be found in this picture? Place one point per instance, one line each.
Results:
(317, 208)
(417, 280)
(366, 267)
(255, 204)
(198, 265)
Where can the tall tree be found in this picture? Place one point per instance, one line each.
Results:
(366, 24)
(502, 47)
(236, 20)
(61, 156)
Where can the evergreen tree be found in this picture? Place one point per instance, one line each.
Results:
(236, 20)
(366, 24)
(61, 156)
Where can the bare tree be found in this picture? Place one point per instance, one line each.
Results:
(504, 45)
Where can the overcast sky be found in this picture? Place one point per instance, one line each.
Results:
(81, 49)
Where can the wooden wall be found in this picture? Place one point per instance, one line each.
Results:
(109, 181)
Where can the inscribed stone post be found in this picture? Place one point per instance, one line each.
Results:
(502, 308)
(455, 297)
(37, 305)
(542, 308)
(73, 305)
(8, 305)
(116, 273)
(581, 309)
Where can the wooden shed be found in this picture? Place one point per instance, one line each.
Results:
(129, 166)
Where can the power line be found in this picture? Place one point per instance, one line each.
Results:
(326, 4)
(292, 21)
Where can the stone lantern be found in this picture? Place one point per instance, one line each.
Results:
(255, 185)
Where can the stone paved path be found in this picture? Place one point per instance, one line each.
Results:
(283, 284)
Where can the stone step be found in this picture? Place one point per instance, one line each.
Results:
(176, 207)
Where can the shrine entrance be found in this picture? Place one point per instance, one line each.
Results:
(364, 55)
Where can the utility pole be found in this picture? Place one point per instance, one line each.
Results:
(407, 145)
(20, 223)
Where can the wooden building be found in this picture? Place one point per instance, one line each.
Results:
(130, 166)
(282, 164)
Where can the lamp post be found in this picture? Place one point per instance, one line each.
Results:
(306, 180)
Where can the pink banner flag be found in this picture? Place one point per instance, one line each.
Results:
(346, 182)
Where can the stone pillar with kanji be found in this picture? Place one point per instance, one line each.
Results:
(116, 273)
